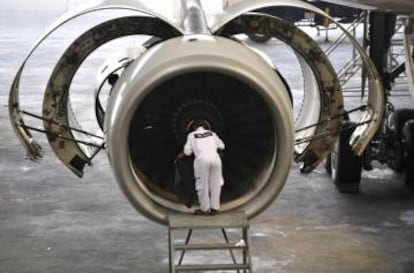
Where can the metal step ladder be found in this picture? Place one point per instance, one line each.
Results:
(218, 222)
(354, 65)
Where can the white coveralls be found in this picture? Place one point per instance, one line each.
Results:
(207, 166)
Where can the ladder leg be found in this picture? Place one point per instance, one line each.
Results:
(171, 250)
(226, 238)
(246, 251)
(187, 240)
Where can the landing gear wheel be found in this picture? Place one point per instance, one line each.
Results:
(328, 166)
(408, 144)
(399, 119)
(345, 166)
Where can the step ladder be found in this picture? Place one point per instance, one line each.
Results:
(218, 222)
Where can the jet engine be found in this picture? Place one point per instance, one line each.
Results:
(159, 95)
(194, 68)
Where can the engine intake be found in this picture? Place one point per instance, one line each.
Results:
(159, 94)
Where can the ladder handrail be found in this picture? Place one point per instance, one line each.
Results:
(343, 36)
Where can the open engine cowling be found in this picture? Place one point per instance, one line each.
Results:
(160, 93)
(194, 68)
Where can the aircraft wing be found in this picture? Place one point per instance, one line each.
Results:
(396, 6)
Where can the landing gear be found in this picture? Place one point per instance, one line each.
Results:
(343, 165)
(408, 158)
(402, 125)
(392, 145)
(398, 120)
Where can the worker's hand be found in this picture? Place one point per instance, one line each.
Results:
(179, 156)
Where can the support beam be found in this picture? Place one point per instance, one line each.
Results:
(381, 30)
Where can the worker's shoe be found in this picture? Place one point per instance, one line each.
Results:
(214, 212)
(201, 212)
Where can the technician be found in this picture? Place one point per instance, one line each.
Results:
(204, 144)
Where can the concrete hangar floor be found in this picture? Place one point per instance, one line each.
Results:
(51, 221)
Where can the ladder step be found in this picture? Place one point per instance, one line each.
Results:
(216, 246)
(222, 220)
(201, 267)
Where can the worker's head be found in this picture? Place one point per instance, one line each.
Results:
(196, 123)
(200, 123)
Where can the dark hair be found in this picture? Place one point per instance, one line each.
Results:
(200, 123)
(194, 124)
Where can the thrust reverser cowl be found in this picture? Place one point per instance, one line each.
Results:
(168, 86)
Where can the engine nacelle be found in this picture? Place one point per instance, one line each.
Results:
(199, 76)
